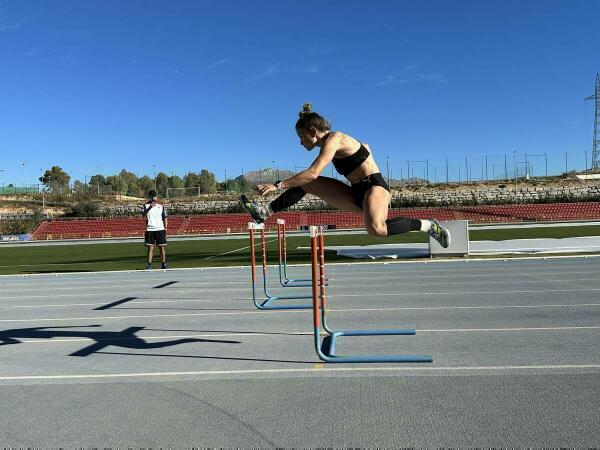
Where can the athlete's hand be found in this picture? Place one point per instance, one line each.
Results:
(264, 189)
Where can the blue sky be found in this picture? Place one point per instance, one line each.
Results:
(101, 85)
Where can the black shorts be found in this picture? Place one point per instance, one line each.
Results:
(359, 190)
(156, 238)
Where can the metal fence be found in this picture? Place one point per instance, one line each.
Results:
(485, 167)
(14, 190)
(396, 168)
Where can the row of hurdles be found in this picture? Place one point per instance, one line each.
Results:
(324, 336)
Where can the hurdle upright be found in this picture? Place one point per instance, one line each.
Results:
(326, 348)
(266, 302)
(284, 279)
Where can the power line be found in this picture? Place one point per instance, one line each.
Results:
(596, 139)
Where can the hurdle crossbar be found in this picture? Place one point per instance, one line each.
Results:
(266, 302)
(326, 347)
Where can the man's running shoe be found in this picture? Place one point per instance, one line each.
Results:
(148, 266)
(163, 266)
(439, 233)
(258, 212)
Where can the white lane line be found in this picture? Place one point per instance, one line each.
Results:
(60, 264)
(400, 308)
(379, 294)
(336, 281)
(433, 308)
(301, 333)
(425, 277)
(108, 293)
(321, 370)
(492, 330)
(404, 275)
(131, 286)
(376, 281)
(251, 312)
(344, 269)
(338, 265)
(145, 302)
(140, 317)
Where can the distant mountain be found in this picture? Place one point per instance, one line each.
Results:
(266, 175)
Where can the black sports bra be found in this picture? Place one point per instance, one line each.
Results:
(347, 165)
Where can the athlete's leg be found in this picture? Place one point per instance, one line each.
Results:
(334, 193)
(375, 209)
(163, 256)
(149, 254)
(375, 206)
(331, 191)
(288, 198)
(261, 212)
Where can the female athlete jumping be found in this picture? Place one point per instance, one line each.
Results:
(368, 192)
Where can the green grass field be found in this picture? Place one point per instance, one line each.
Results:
(221, 252)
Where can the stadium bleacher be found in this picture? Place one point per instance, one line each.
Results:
(237, 223)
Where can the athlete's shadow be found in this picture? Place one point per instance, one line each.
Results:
(125, 338)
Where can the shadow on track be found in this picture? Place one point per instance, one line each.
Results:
(124, 339)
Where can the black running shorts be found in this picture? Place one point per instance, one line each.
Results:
(360, 189)
(156, 238)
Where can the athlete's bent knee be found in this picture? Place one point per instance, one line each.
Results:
(377, 230)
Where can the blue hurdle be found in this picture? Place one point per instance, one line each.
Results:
(284, 279)
(326, 348)
(266, 302)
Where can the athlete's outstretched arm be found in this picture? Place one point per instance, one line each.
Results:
(312, 173)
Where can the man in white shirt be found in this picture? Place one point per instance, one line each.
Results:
(156, 229)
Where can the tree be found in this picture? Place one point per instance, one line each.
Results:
(191, 180)
(162, 183)
(79, 187)
(146, 184)
(243, 184)
(117, 184)
(207, 182)
(232, 186)
(175, 182)
(133, 190)
(56, 180)
(96, 181)
(128, 177)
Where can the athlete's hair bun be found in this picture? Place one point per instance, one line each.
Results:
(310, 119)
(306, 109)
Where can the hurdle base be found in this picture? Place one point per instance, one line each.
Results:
(326, 351)
(299, 282)
(267, 306)
(295, 282)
